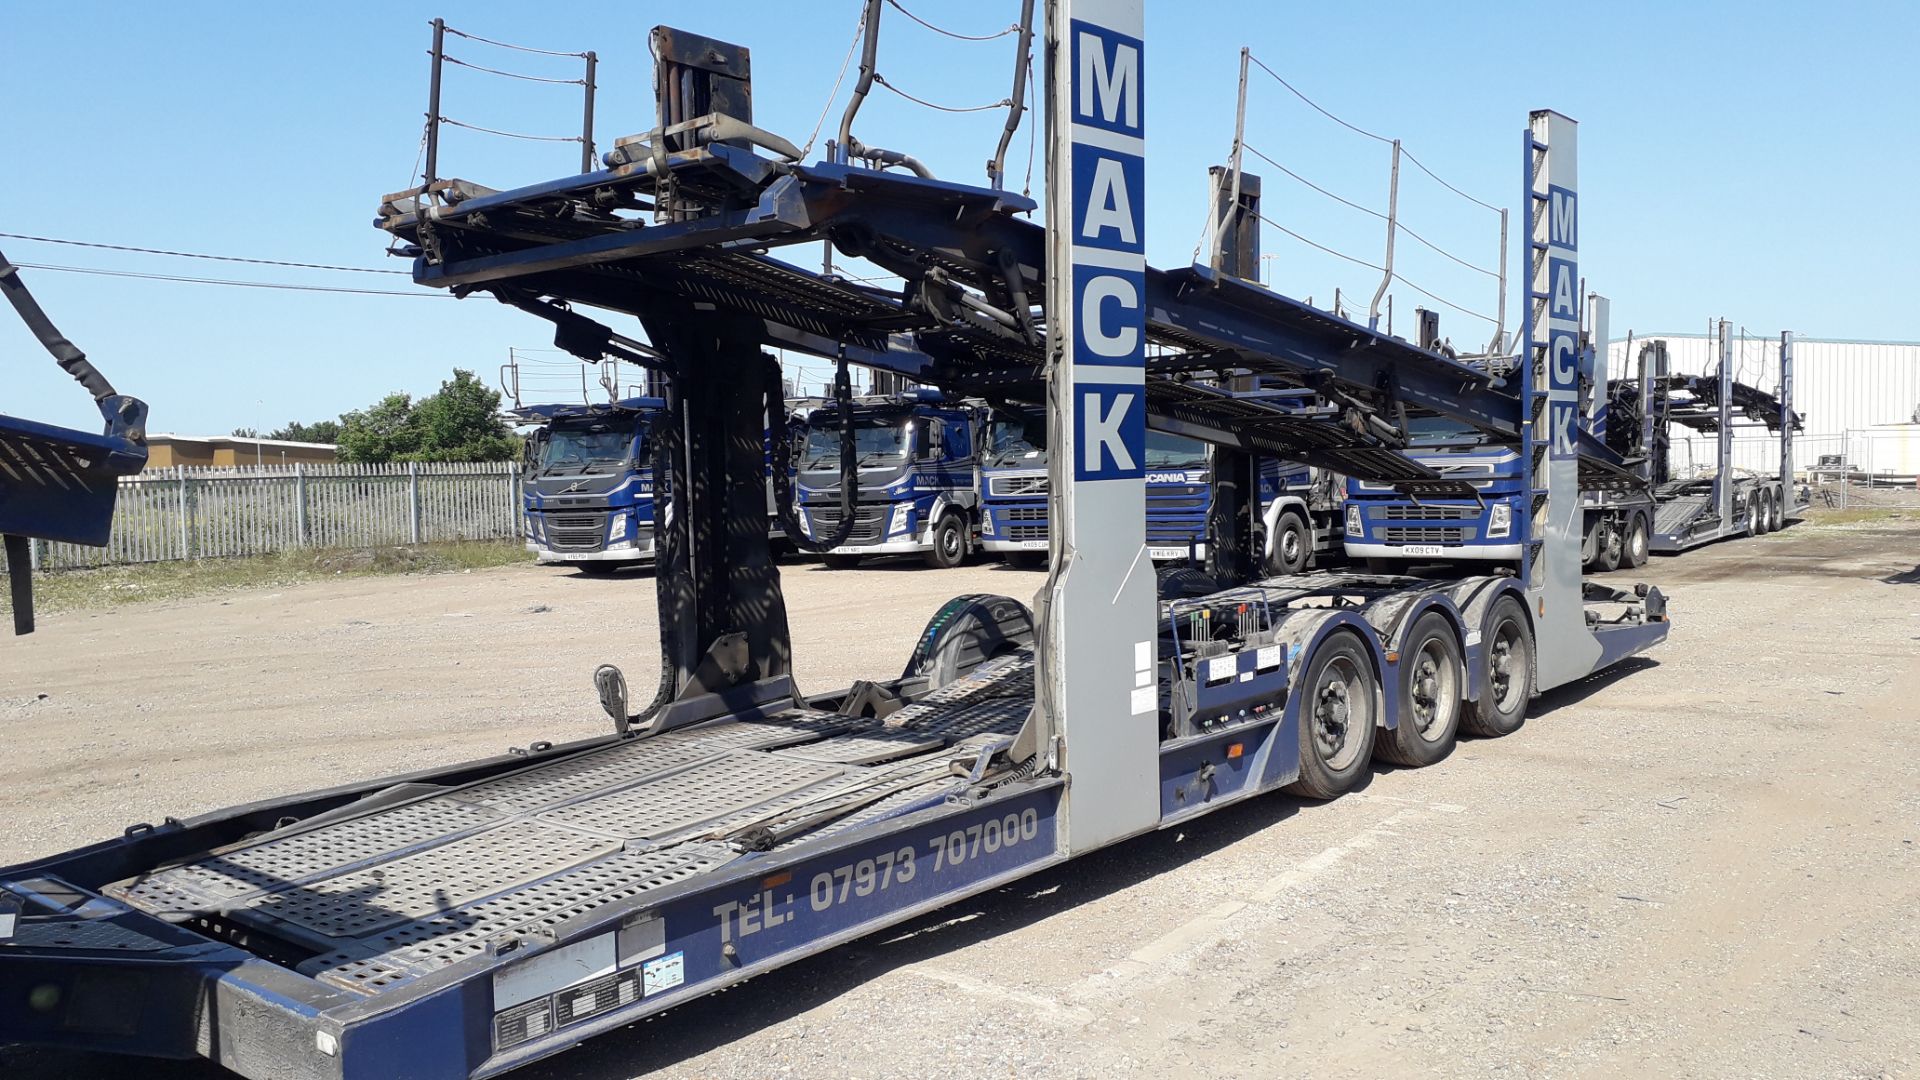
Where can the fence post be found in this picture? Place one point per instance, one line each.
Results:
(300, 504)
(186, 514)
(515, 502)
(413, 499)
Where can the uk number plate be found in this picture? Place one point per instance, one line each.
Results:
(1431, 551)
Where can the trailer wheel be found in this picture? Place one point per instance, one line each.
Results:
(841, 562)
(1292, 546)
(1753, 514)
(1430, 695)
(1638, 540)
(1590, 541)
(949, 542)
(1338, 712)
(1507, 665)
(1612, 547)
(1771, 508)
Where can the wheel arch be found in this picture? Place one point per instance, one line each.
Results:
(1313, 628)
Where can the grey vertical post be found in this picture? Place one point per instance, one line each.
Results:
(1567, 650)
(1227, 215)
(1393, 223)
(186, 515)
(1500, 325)
(1723, 444)
(1098, 703)
(586, 123)
(1647, 467)
(413, 502)
(433, 104)
(1786, 423)
(300, 504)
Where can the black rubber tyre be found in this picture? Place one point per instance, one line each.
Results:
(1590, 542)
(1638, 544)
(1753, 514)
(1183, 582)
(949, 542)
(1432, 683)
(1771, 510)
(599, 569)
(1292, 547)
(1612, 546)
(1506, 660)
(841, 562)
(1339, 710)
(1027, 560)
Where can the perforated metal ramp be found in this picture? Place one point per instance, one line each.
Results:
(399, 892)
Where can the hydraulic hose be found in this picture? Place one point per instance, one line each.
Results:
(65, 353)
(783, 459)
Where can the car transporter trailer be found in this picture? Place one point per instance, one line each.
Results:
(458, 922)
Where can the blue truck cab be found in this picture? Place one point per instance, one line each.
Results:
(916, 452)
(1014, 489)
(1178, 497)
(1384, 526)
(587, 489)
(1013, 485)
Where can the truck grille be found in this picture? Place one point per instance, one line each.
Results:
(1027, 532)
(1176, 496)
(1429, 513)
(1024, 513)
(868, 522)
(1014, 486)
(577, 530)
(1434, 535)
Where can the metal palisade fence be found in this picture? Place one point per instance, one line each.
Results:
(202, 513)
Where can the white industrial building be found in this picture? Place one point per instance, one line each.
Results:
(1859, 400)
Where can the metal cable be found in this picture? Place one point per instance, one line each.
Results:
(1444, 300)
(1003, 103)
(1322, 247)
(1311, 184)
(510, 45)
(1404, 152)
(1014, 29)
(224, 281)
(512, 74)
(859, 29)
(1402, 226)
(1408, 154)
(197, 255)
(1316, 105)
(510, 134)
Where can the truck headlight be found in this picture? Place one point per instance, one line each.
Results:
(1500, 520)
(901, 515)
(1354, 528)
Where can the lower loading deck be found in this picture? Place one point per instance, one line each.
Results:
(459, 929)
(376, 901)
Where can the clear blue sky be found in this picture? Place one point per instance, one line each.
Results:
(1736, 159)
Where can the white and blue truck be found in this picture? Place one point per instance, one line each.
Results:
(587, 482)
(916, 455)
(457, 922)
(1013, 490)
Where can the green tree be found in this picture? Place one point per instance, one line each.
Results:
(386, 431)
(320, 431)
(461, 422)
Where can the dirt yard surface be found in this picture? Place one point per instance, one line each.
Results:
(1705, 864)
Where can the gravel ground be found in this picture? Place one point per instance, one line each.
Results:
(1702, 864)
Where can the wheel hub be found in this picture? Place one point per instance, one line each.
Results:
(1331, 713)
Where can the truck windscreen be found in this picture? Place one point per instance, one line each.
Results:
(1166, 451)
(875, 442)
(1008, 444)
(578, 449)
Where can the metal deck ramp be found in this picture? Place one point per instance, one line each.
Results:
(374, 901)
